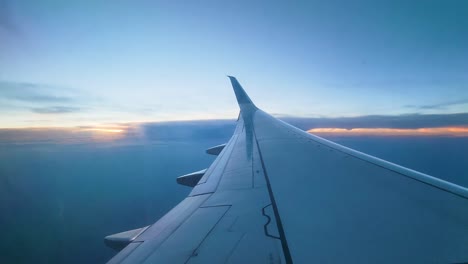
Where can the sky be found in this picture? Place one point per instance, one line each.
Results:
(88, 63)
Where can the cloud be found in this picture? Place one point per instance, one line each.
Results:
(196, 130)
(382, 121)
(440, 124)
(439, 105)
(34, 93)
(40, 98)
(56, 110)
(44, 98)
(219, 131)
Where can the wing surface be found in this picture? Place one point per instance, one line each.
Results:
(276, 194)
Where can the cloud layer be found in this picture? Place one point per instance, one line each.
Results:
(220, 130)
(56, 110)
(34, 93)
(382, 121)
(442, 105)
(39, 98)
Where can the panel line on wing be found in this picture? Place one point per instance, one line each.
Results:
(195, 253)
(284, 242)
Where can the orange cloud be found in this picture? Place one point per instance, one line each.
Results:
(105, 133)
(427, 131)
(105, 130)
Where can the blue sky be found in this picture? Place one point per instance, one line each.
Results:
(72, 63)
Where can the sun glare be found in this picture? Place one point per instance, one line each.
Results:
(106, 133)
(105, 130)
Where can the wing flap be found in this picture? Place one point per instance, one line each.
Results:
(215, 150)
(120, 240)
(191, 179)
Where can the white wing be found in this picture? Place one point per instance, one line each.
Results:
(276, 194)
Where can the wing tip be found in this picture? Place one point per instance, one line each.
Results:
(242, 97)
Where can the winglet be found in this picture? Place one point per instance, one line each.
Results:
(242, 98)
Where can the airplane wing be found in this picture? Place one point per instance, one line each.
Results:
(276, 194)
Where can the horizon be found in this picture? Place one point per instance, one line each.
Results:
(445, 125)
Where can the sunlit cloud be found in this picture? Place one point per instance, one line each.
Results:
(105, 133)
(105, 130)
(427, 131)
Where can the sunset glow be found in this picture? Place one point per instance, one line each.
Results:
(105, 130)
(429, 131)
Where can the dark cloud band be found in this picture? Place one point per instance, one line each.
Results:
(55, 110)
(383, 121)
(439, 105)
